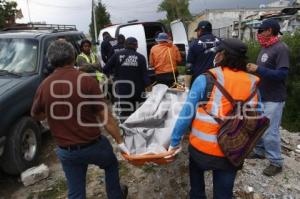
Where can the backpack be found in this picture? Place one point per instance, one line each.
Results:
(239, 133)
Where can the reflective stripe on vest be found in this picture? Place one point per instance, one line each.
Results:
(253, 84)
(92, 56)
(204, 136)
(218, 94)
(211, 148)
(100, 76)
(205, 117)
(204, 130)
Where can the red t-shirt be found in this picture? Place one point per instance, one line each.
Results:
(66, 99)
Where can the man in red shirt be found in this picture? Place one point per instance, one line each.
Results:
(73, 105)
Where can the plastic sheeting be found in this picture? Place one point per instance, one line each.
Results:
(148, 130)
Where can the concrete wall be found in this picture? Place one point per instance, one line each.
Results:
(281, 3)
(224, 17)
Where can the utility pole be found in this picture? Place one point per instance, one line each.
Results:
(240, 25)
(94, 19)
(28, 12)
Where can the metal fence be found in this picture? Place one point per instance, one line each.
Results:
(225, 32)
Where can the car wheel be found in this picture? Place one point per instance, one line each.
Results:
(22, 146)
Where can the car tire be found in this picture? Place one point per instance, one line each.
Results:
(22, 146)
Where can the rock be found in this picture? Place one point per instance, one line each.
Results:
(257, 196)
(133, 190)
(285, 140)
(297, 151)
(249, 189)
(264, 185)
(34, 174)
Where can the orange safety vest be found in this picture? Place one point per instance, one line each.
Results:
(239, 85)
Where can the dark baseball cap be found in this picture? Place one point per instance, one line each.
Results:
(131, 41)
(233, 46)
(270, 23)
(205, 25)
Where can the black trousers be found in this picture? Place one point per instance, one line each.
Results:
(166, 78)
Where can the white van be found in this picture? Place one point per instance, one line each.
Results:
(145, 32)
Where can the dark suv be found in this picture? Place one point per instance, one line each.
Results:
(23, 66)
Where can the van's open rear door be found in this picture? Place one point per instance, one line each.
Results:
(180, 38)
(137, 31)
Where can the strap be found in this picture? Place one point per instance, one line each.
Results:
(218, 120)
(222, 89)
(226, 94)
(173, 71)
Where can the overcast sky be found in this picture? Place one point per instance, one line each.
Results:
(78, 12)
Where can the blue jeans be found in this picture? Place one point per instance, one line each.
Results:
(75, 164)
(223, 182)
(269, 145)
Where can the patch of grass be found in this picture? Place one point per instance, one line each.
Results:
(123, 169)
(30, 196)
(286, 178)
(93, 174)
(181, 70)
(149, 168)
(59, 188)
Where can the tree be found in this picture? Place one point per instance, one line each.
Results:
(102, 19)
(175, 9)
(8, 11)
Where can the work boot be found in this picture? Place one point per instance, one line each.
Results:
(253, 155)
(124, 189)
(272, 170)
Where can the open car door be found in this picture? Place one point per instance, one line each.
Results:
(137, 31)
(180, 38)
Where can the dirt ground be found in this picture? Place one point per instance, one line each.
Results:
(164, 182)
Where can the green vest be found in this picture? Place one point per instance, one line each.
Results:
(91, 59)
(99, 76)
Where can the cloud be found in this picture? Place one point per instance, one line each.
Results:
(78, 12)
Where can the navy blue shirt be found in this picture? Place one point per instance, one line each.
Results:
(106, 46)
(273, 64)
(131, 66)
(116, 48)
(199, 56)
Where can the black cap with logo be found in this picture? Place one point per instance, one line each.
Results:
(205, 25)
(270, 23)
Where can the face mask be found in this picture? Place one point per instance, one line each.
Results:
(267, 41)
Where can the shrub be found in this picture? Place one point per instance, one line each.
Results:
(291, 115)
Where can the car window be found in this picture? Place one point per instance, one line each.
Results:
(76, 40)
(73, 39)
(18, 55)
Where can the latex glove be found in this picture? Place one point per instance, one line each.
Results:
(123, 148)
(175, 150)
